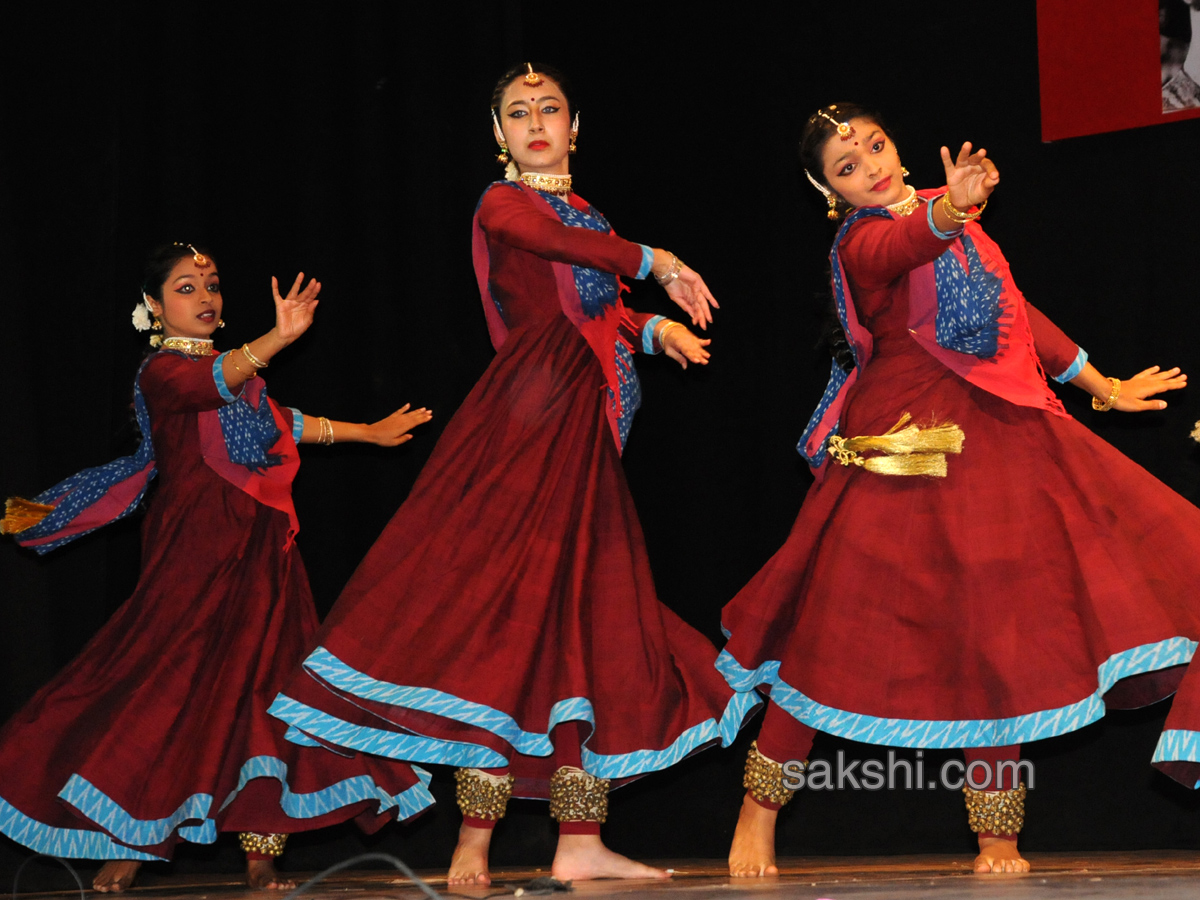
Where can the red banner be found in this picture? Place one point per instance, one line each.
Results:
(1106, 65)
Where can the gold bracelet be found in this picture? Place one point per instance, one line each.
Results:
(239, 368)
(663, 331)
(958, 216)
(1105, 405)
(671, 273)
(325, 438)
(252, 359)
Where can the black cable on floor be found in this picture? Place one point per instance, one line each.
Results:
(70, 868)
(364, 857)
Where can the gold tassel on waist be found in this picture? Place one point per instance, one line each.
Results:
(908, 449)
(20, 514)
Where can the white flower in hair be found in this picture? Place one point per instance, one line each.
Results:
(1196, 433)
(141, 317)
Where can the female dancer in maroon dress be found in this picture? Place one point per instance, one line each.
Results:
(158, 731)
(506, 622)
(1031, 577)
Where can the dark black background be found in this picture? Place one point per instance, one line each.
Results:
(352, 140)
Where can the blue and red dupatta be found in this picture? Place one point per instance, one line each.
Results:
(246, 442)
(590, 299)
(964, 309)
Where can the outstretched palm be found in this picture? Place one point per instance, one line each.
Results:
(294, 313)
(692, 295)
(971, 177)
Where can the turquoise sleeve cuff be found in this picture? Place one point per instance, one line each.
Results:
(1081, 359)
(647, 262)
(297, 424)
(648, 334)
(219, 377)
(944, 235)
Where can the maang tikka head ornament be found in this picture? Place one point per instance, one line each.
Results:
(201, 261)
(532, 78)
(845, 130)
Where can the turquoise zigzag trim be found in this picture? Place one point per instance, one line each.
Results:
(69, 843)
(931, 734)
(110, 816)
(1175, 745)
(333, 671)
(305, 721)
(113, 818)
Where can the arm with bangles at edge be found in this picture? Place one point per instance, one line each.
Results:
(1059, 354)
(510, 216)
(895, 247)
(877, 250)
(293, 315)
(389, 432)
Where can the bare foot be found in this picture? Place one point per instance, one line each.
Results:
(469, 865)
(998, 855)
(115, 876)
(753, 851)
(580, 857)
(261, 875)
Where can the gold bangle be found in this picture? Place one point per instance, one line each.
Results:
(764, 778)
(251, 358)
(325, 438)
(481, 795)
(576, 796)
(663, 331)
(233, 363)
(958, 216)
(266, 844)
(1105, 405)
(1000, 812)
(671, 273)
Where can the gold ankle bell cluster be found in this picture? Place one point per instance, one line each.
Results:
(266, 844)
(576, 796)
(481, 795)
(1000, 812)
(764, 778)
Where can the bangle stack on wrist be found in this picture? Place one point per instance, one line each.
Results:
(958, 216)
(672, 273)
(251, 358)
(662, 332)
(326, 435)
(1105, 405)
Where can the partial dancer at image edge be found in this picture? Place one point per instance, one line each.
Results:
(1030, 577)
(158, 731)
(506, 621)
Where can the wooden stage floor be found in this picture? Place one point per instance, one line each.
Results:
(1163, 875)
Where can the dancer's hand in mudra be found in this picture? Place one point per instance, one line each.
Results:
(687, 289)
(970, 178)
(294, 313)
(692, 295)
(683, 346)
(1147, 383)
(394, 430)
